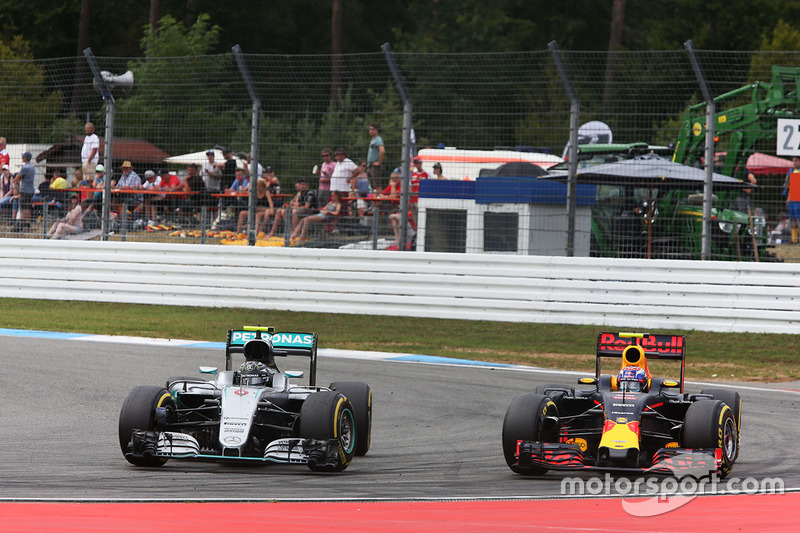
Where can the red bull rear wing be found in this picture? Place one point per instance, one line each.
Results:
(655, 347)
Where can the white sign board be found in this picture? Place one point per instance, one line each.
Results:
(788, 137)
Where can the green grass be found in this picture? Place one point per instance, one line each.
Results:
(722, 356)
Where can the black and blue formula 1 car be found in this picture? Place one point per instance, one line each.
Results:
(630, 421)
(253, 413)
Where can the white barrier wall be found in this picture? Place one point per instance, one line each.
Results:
(623, 293)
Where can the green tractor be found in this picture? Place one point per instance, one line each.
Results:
(647, 206)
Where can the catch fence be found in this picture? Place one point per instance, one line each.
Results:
(496, 125)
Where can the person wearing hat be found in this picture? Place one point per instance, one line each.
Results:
(417, 174)
(128, 181)
(98, 183)
(24, 183)
(152, 182)
(72, 222)
(211, 173)
(437, 171)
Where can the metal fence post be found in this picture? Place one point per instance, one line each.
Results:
(405, 165)
(708, 190)
(254, 134)
(109, 140)
(574, 117)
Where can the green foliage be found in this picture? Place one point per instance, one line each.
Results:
(173, 39)
(779, 48)
(28, 107)
(162, 97)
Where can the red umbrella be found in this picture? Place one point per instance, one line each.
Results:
(760, 164)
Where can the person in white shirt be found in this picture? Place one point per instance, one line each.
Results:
(212, 175)
(90, 152)
(342, 172)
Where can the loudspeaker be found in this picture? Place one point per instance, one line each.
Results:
(122, 83)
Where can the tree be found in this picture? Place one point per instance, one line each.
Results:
(161, 105)
(774, 50)
(29, 109)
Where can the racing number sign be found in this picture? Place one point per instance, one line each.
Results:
(788, 137)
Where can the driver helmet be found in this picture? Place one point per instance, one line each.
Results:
(632, 379)
(258, 355)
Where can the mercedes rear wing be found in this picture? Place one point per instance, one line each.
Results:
(283, 344)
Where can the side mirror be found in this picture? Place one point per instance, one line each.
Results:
(588, 381)
(294, 373)
(208, 370)
(670, 383)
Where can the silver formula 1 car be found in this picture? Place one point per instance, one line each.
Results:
(631, 421)
(255, 413)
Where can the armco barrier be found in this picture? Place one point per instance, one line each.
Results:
(684, 295)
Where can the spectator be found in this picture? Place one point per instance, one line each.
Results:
(302, 204)
(326, 215)
(5, 159)
(57, 186)
(24, 181)
(6, 190)
(78, 181)
(392, 192)
(375, 154)
(72, 222)
(781, 230)
(247, 168)
(90, 151)
(193, 182)
(152, 182)
(128, 181)
(274, 191)
(240, 184)
(342, 172)
(98, 183)
(744, 201)
(325, 171)
(360, 188)
(170, 183)
(228, 167)
(791, 189)
(272, 179)
(437, 171)
(211, 173)
(264, 207)
(417, 174)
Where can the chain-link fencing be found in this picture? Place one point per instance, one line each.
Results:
(490, 133)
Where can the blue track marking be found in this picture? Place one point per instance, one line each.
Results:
(445, 360)
(40, 334)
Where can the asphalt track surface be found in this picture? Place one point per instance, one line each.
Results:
(436, 431)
